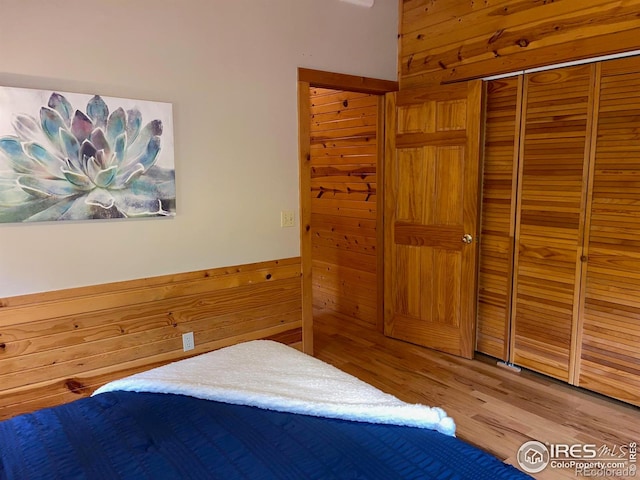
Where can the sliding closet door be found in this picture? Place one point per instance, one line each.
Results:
(610, 333)
(550, 216)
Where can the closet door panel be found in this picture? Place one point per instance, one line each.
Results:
(610, 343)
(500, 162)
(550, 218)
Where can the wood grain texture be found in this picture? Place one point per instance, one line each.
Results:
(452, 40)
(382, 120)
(610, 329)
(339, 117)
(499, 183)
(304, 160)
(57, 346)
(439, 236)
(575, 314)
(494, 409)
(344, 201)
(342, 81)
(431, 192)
(554, 162)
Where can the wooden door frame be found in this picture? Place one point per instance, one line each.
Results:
(308, 78)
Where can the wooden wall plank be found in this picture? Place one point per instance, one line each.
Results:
(450, 40)
(90, 299)
(344, 212)
(57, 346)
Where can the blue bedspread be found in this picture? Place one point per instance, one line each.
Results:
(127, 435)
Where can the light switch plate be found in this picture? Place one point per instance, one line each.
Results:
(287, 218)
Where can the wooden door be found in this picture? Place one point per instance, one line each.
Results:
(609, 356)
(503, 108)
(550, 217)
(431, 203)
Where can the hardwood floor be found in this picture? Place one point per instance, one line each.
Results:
(494, 408)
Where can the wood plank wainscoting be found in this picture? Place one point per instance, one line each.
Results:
(58, 346)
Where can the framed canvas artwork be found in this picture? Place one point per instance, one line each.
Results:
(70, 156)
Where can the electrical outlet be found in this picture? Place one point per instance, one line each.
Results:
(188, 343)
(287, 218)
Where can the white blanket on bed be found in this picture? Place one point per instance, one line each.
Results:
(273, 376)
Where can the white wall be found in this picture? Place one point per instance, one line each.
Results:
(229, 67)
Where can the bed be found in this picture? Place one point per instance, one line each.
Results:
(255, 410)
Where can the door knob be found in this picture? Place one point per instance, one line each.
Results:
(466, 238)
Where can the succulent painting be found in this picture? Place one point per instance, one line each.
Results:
(66, 164)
